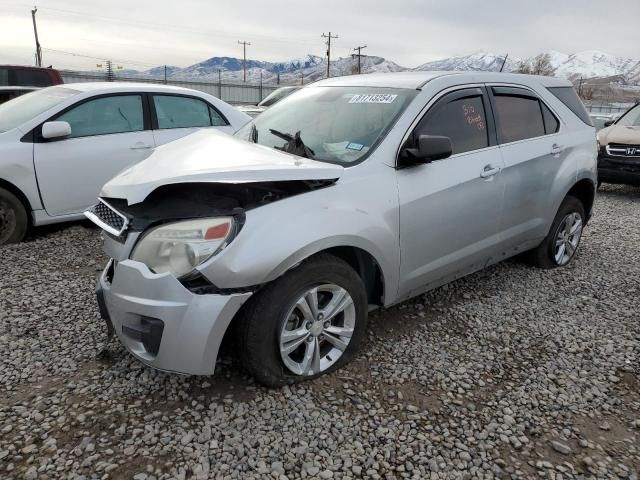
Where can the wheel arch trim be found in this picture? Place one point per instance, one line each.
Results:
(336, 245)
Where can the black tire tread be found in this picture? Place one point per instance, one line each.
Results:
(250, 339)
(22, 219)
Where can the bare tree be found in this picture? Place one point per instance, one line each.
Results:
(587, 93)
(539, 65)
(524, 67)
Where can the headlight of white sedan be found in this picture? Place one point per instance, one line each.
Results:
(180, 247)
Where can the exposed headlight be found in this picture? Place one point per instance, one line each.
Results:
(180, 247)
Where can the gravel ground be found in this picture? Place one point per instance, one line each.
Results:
(512, 372)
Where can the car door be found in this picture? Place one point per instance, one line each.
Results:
(450, 209)
(108, 134)
(527, 131)
(175, 116)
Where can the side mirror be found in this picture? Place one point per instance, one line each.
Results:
(608, 123)
(56, 130)
(429, 149)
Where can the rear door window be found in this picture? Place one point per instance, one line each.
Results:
(173, 111)
(518, 118)
(463, 120)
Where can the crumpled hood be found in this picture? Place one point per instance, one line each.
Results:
(619, 134)
(211, 156)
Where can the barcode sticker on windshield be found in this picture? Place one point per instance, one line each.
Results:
(373, 98)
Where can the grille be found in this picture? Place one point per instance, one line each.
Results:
(107, 218)
(622, 150)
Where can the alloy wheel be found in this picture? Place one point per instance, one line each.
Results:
(317, 329)
(567, 238)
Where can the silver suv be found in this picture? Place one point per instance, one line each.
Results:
(352, 193)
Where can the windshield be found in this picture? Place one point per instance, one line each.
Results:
(277, 95)
(17, 111)
(335, 124)
(631, 118)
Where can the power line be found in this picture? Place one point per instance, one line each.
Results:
(105, 57)
(165, 26)
(359, 49)
(244, 44)
(329, 37)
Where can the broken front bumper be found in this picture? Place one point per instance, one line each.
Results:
(162, 323)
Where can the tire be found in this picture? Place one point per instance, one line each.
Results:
(275, 314)
(546, 255)
(13, 218)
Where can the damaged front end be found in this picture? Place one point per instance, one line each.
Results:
(156, 308)
(196, 200)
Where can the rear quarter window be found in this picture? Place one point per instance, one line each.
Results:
(569, 97)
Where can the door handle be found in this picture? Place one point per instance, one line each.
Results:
(140, 147)
(489, 171)
(556, 149)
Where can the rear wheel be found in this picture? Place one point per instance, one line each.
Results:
(561, 244)
(13, 218)
(305, 324)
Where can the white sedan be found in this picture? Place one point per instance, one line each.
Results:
(59, 145)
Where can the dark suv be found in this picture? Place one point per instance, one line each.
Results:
(619, 149)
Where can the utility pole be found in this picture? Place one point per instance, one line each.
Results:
(110, 75)
(244, 57)
(329, 37)
(35, 32)
(165, 74)
(504, 61)
(359, 55)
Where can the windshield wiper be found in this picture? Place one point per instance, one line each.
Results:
(294, 144)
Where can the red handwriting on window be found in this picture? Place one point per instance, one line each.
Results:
(472, 117)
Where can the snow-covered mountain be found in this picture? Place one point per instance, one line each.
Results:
(593, 63)
(586, 64)
(479, 61)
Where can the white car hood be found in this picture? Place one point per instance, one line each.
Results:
(211, 156)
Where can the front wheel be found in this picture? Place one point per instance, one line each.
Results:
(307, 323)
(561, 244)
(13, 218)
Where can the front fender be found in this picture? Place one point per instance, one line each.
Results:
(277, 236)
(16, 166)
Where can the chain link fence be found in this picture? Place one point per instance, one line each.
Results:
(234, 93)
(608, 107)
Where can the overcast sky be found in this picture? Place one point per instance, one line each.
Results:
(142, 33)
